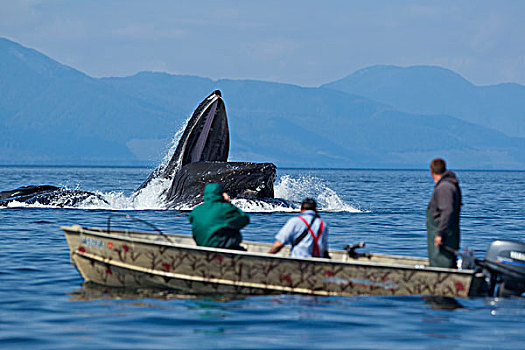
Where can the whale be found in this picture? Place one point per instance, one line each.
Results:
(48, 195)
(200, 157)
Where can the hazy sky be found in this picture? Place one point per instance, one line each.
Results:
(301, 42)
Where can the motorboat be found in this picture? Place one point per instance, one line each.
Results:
(141, 259)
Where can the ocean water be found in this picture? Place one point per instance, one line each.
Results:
(44, 303)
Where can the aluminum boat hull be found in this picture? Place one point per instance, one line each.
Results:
(135, 259)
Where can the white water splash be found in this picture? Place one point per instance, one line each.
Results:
(151, 197)
(253, 206)
(291, 190)
(16, 204)
(296, 189)
(172, 149)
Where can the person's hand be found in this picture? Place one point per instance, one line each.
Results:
(226, 197)
(438, 241)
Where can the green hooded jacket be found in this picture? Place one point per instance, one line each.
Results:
(216, 223)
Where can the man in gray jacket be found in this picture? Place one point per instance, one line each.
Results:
(443, 215)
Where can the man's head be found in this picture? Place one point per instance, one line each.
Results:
(309, 204)
(438, 167)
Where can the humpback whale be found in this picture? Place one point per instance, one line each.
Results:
(47, 195)
(201, 156)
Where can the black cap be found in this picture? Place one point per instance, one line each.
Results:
(309, 204)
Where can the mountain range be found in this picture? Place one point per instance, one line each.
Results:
(435, 90)
(379, 117)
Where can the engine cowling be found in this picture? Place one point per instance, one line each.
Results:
(505, 261)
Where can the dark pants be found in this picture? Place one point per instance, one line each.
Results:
(229, 239)
(438, 256)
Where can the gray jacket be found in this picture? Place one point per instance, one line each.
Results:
(445, 203)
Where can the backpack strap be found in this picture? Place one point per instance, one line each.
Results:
(305, 232)
(315, 249)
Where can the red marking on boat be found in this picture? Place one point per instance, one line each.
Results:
(126, 248)
(108, 271)
(286, 278)
(459, 286)
(110, 245)
(218, 258)
(82, 249)
(166, 267)
(328, 273)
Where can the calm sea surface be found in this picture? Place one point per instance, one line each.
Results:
(44, 304)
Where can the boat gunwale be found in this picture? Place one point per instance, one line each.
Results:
(124, 236)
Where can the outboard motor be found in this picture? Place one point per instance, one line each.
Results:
(505, 263)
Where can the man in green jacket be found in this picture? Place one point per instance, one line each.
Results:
(217, 222)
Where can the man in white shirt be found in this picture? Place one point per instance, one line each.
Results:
(307, 234)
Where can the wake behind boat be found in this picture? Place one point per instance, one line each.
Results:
(136, 259)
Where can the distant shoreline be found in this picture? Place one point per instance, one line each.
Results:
(282, 168)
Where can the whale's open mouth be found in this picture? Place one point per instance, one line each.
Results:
(206, 138)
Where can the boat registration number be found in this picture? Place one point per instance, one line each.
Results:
(92, 242)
